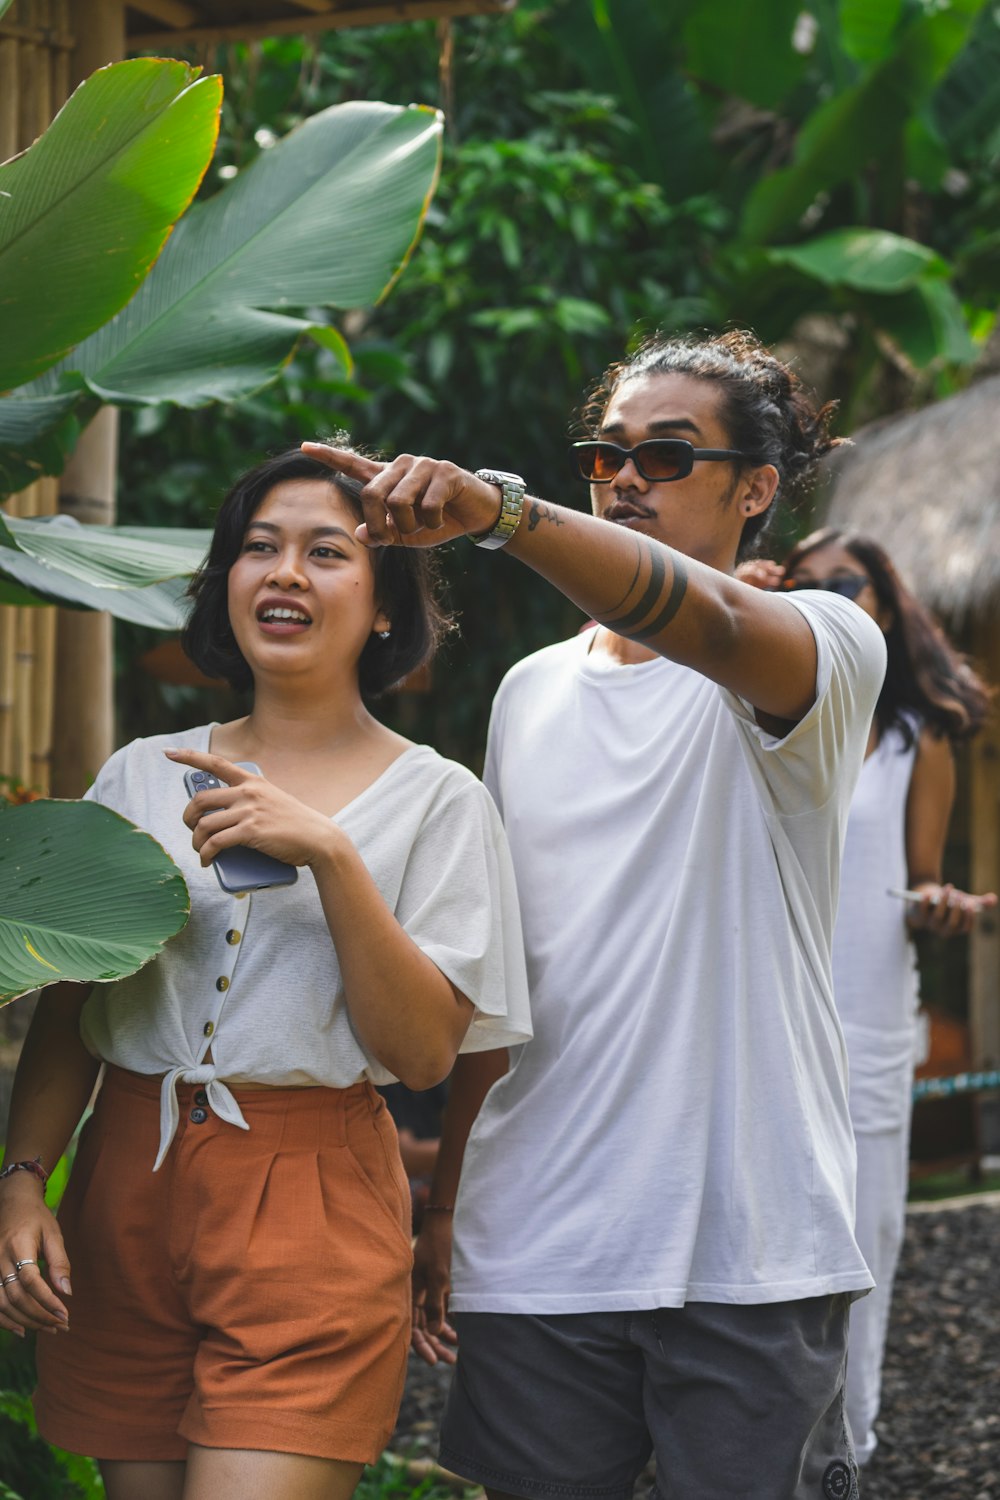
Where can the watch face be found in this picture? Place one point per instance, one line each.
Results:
(499, 476)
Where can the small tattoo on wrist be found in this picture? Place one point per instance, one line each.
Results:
(542, 512)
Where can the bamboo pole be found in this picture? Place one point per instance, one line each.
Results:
(43, 620)
(34, 113)
(43, 687)
(29, 69)
(60, 56)
(8, 97)
(984, 988)
(8, 648)
(9, 142)
(24, 665)
(83, 726)
(26, 89)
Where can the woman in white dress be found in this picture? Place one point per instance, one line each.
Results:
(895, 841)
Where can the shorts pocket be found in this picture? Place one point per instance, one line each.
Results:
(371, 1167)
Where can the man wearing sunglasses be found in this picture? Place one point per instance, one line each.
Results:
(654, 1245)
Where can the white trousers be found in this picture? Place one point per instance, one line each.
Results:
(883, 1168)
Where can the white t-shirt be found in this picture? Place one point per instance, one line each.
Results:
(255, 978)
(678, 1128)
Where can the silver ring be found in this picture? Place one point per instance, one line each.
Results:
(19, 1263)
(7, 1279)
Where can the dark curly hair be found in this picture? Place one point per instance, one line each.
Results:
(926, 678)
(764, 408)
(407, 586)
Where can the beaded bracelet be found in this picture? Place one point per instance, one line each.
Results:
(34, 1167)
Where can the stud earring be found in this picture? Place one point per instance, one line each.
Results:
(383, 635)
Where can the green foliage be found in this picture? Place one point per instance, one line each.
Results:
(807, 120)
(600, 160)
(29, 1468)
(137, 574)
(118, 557)
(747, 51)
(861, 123)
(84, 896)
(867, 27)
(328, 218)
(36, 432)
(387, 1480)
(84, 212)
(869, 260)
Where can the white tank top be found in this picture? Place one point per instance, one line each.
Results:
(875, 979)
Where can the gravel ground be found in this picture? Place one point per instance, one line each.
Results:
(940, 1424)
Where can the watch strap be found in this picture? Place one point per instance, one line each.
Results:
(512, 490)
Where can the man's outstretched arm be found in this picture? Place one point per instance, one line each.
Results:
(756, 644)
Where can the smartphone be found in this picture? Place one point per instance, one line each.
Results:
(241, 869)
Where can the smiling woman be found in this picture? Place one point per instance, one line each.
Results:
(404, 582)
(258, 1342)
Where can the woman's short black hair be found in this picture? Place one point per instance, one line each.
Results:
(407, 586)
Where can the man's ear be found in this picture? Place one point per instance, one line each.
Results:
(758, 489)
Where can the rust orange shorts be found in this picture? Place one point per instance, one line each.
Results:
(253, 1293)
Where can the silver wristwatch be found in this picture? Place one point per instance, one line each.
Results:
(512, 489)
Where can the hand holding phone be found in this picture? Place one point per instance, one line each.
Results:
(241, 869)
(946, 912)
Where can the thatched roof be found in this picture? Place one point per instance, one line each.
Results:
(927, 486)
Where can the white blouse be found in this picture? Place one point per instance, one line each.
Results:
(255, 978)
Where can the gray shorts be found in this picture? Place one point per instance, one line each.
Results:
(738, 1403)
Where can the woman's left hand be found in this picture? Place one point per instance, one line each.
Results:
(250, 812)
(946, 911)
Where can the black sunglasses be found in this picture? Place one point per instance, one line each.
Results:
(658, 460)
(850, 585)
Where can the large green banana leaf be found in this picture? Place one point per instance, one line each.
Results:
(838, 138)
(868, 260)
(33, 571)
(36, 433)
(105, 556)
(867, 27)
(634, 48)
(967, 104)
(85, 211)
(326, 218)
(160, 606)
(84, 895)
(745, 50)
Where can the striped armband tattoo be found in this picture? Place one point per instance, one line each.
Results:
(648, 607)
